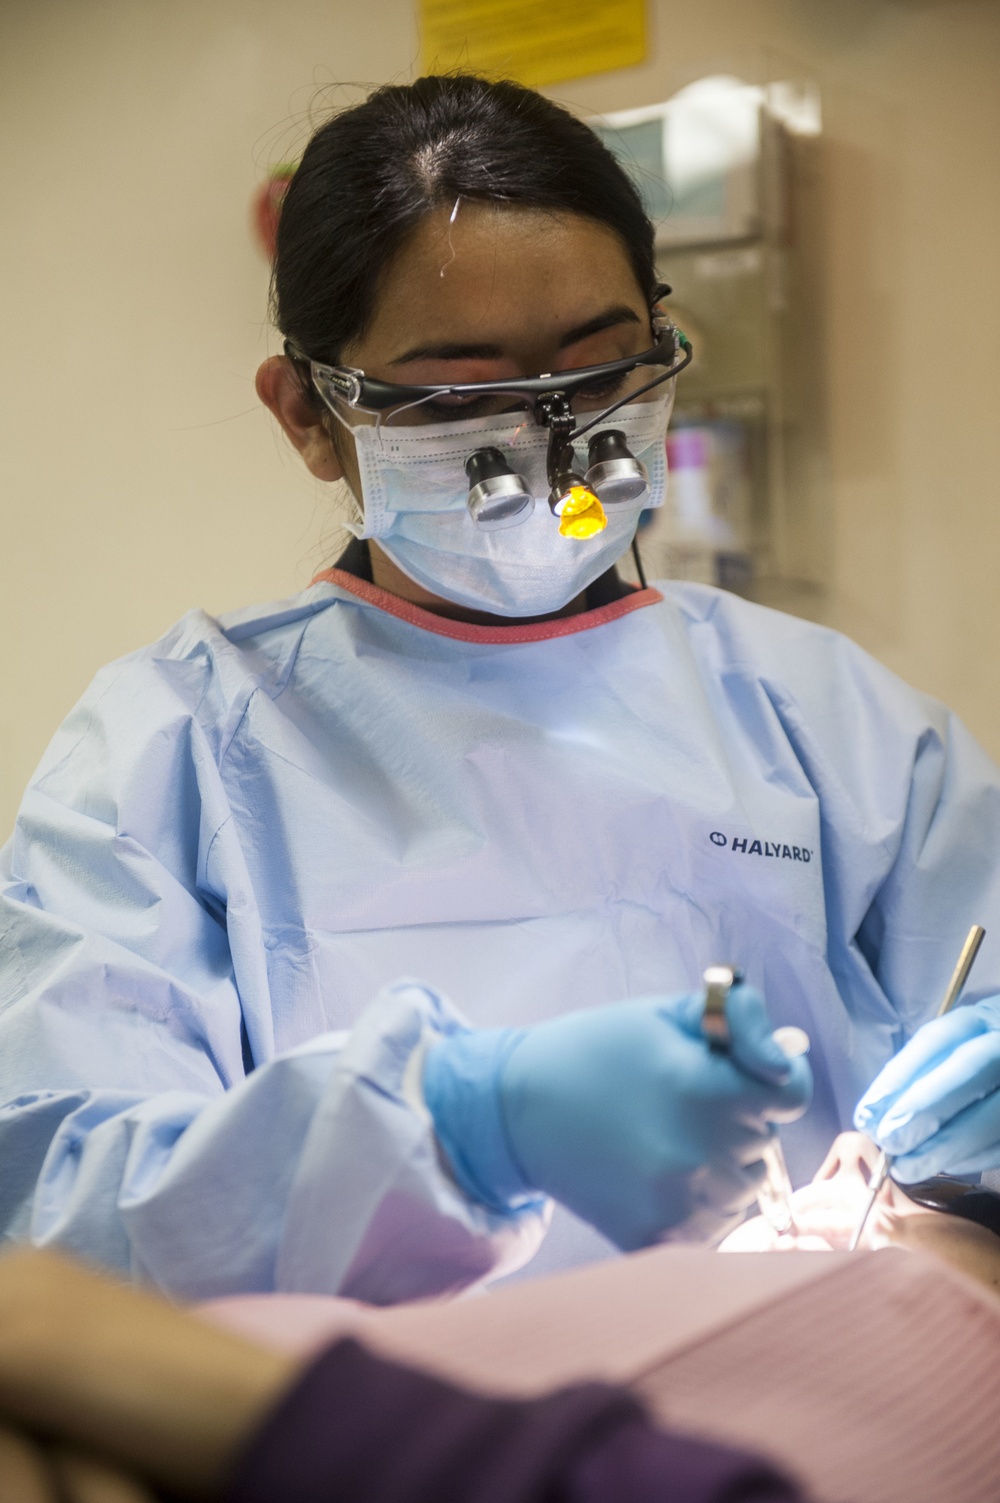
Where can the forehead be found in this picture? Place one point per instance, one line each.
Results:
(500, 270)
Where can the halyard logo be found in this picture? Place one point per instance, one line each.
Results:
(750, 847)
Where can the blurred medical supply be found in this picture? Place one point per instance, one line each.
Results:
(703, 532)
(728, 171)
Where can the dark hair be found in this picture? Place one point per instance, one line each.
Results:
(371, 173)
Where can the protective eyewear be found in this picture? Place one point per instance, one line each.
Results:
(569, 404)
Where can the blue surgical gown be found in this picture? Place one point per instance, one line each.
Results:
(268, 859)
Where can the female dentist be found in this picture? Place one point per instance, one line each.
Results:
(468, 754)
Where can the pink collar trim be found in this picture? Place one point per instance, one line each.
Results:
(464, 631)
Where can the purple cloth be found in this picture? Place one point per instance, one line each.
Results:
(357, 1429)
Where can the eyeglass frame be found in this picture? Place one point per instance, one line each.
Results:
(351, 384)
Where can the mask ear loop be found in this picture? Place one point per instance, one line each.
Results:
(663, 289)
(638, 563)
(669, 375)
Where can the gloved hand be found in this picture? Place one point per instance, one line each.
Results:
(622, 1113)
(936, 1105)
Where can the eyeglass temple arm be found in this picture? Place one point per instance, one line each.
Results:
(674, 370)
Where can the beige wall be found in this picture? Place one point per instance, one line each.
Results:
(138, 476)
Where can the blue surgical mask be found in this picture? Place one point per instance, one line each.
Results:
(415, 490)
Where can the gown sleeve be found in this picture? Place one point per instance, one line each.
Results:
(909, 806)
(908, 811)
(134, 1129)
(945, 877)
(910, 818)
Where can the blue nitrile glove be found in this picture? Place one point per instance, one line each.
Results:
(936, 1105)
(622, 1113)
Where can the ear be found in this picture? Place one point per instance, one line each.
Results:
(280, 389)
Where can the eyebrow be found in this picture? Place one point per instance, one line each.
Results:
(609, 319)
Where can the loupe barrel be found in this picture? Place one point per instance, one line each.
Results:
(614, 472)
(498, 497)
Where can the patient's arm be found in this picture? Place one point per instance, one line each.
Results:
(31, 1472)
(174, 1401)
(124, 1374)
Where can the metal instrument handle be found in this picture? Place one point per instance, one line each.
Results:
(956, 985)
(719, 981)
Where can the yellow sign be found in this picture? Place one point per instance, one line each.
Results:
(533, 41)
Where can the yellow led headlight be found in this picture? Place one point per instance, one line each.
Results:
(582, 516)
(580, 513)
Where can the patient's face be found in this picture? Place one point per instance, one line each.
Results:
(828, 1210)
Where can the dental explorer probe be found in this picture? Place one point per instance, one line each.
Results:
(775, 1195)
(960, 975)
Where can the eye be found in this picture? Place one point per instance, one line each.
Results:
(452, 404)
(601, 387)
(448, 405)
(457, 399)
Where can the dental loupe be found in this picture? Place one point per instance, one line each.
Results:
(615, 474)
(498, 496)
